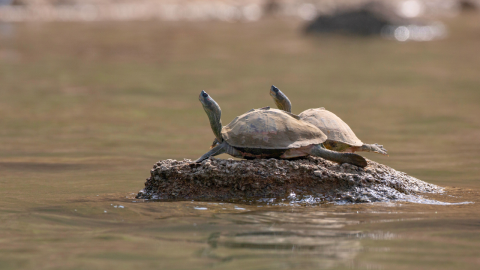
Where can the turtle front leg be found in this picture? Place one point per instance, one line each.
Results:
(215, 151)
(376, 148)
(220, 149)
(232, 151)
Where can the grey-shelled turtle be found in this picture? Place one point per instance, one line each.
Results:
(269, 133)
(340, 136)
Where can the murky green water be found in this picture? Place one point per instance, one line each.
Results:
(87, 109)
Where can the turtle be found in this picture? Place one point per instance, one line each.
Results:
(341, 138)
(268, 133)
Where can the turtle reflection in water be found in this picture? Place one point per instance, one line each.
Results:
(269, 133)
(340, 136)
(317, 239)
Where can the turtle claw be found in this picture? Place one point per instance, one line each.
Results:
(380, 149)
(214, 143)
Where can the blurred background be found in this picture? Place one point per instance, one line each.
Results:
(117, 82)
(94, 92)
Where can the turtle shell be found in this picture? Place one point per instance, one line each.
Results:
(271, 129)
(334, 127)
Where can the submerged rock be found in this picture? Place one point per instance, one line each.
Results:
(309, 180)
(376, 18)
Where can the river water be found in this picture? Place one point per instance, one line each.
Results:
(87, 109)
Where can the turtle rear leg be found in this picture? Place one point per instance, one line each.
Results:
(220, 149)
(338, 146)
(343, 147)
(354, 159)
(376, 148)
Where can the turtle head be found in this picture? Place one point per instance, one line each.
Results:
(281, 100)
(203, 97)
(209, 105)
(214, 113)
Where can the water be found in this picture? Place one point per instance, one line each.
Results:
(86, 110)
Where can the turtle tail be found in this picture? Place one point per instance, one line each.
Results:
(354, 159)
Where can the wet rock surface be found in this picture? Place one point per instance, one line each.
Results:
(310, 180)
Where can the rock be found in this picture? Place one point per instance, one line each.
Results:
(469, 5)
(376, 18)
(309, 180)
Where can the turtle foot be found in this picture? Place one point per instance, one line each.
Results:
(376, 148)
(380, 149)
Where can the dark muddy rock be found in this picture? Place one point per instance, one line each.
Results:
(360, 22)
(373, 19)
(309, 180)
(469, 5)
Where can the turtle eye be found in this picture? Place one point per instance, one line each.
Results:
(204, 94)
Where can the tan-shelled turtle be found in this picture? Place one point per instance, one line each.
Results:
(269, 133)
(340, 136)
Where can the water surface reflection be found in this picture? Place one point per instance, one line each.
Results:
(314, 239)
